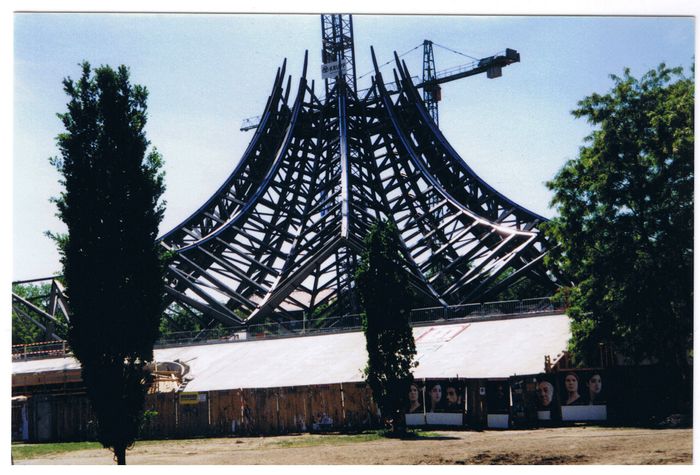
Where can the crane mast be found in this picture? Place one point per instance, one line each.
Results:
(431, 92)
(338, 51)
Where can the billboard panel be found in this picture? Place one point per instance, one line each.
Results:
(436, 401)
(523, 409)
(582, 396)
(444, 395)
(547, 400)
(497, 397)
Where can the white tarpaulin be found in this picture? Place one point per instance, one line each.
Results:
(489, 349)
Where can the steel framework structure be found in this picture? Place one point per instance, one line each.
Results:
(283, 235)
(281, 238)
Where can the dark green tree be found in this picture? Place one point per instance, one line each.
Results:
(386, 298)
(112, 265)
(625, 222)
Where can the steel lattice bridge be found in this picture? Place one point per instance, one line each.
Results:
(283, 235)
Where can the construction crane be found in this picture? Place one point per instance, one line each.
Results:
(338, 56)
(432, 94)
(250, 123)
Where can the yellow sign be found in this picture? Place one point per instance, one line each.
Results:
(189, 398)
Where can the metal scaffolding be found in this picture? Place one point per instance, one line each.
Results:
(283, 235)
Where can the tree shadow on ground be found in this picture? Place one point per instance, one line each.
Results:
(412, 436)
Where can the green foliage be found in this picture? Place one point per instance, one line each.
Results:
(179, 322)
(626, 221)
(24, 331)
(147, 419)
(387, 300)
(111, 262)
(321, 314)
(524, 288)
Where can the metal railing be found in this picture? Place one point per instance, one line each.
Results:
(485, 310)
(466, 312)
(44, 349)
(263, 331)
(344, 323)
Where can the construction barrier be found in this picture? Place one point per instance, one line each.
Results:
(620, 395)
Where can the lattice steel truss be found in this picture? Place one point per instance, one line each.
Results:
(283, 235)
(50, 313)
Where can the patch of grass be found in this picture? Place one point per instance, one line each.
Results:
(339, 439)
(29, 451)
(329, 439)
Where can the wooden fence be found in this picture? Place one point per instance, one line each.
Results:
(44, 418)
(498, 403)
(346, 407)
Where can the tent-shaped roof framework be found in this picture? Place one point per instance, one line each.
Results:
(283, 234)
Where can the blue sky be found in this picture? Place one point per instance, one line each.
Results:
(205, 73)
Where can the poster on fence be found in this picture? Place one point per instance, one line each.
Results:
(444, 402)
(436, 402)
(547, 400)
(497, 404)
(497, 397)
(523, 409)
(582, 396)
(415, 412)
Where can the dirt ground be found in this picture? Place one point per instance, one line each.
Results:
(572, 445)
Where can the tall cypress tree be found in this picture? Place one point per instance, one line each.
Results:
(387, 298)
(111, 262)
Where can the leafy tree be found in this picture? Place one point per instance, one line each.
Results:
(24, 331)
(625, 222)
(178, 322)
(111, 262)
(525, 288)
(387, 299)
